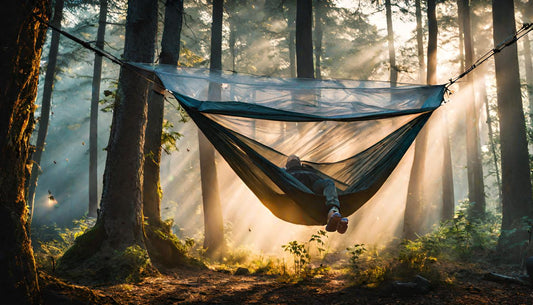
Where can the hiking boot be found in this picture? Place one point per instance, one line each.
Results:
(334, 218)
(343, 225)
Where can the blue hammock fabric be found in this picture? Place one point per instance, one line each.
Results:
(353, 132)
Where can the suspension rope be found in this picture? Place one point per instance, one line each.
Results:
(156, 87)
(526, 28)
(83, 43)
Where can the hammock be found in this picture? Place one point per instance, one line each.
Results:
(353, 132)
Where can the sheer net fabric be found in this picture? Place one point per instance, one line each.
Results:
(354, 132)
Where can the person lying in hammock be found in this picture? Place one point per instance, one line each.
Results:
(320, 186)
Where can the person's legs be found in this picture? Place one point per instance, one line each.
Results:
(327, 188)
(336, 222)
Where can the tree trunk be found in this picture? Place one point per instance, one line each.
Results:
(415, 194)
(432, 43)
(213, 221)
(232, 39)
(516, 183)
(476, 191)
(460, 24)
(170, 48)
(20, 53)
(492, 136)
(480, 86)
(160, 241)
(93, 128)
(119, 229)
(46, 104)
(420, 42)
(304, 39)
(319, 10)
(390, 39)
(291, 24)
(123, 177)
(448, 192)
(528, 14)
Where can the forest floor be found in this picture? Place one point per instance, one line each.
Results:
(470, 285)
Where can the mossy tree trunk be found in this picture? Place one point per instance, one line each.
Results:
(161, 243)
(119, 232)
(46, 103)
(20, 52)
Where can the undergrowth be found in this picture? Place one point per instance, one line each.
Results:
(50, 241)
(461, 240)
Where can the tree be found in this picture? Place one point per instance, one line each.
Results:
(390, 39)
(213, 221)
(320, 11)
(160, 242)
(414, 203)
(516, 183)
(93, 128)
(170, 47)
(432, 43)
(528, 15)
(118, 231)
(304, 39)
(476, 193)
(420, 41)
(20, 49)
(479, 22)
(46, 102)
(291, 24)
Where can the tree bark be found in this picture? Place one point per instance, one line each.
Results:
(415, 194)
(480, 86)
(213, 222)
(476, 190)
(46, 103)
(121, 204)
(448, 192)
(170, 48)
(319, 11)
(160, 241)
(119, 229)
(20, 53)
(528, 15)
(304, 39)
(93, 128)
(516, 183)
(291, 24)
(420, 42)
(390, 39)
(432, 42)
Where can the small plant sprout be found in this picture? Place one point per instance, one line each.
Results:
(300, 255)
(355, 253)
(319, 238)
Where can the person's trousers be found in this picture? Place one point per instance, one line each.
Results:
(327, 188)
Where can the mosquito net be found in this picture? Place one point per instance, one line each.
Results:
(354, 132)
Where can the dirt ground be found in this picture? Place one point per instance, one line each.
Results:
(213, 287)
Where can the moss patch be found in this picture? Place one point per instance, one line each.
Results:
(84, 247)
(91, 261)
(165, 248)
